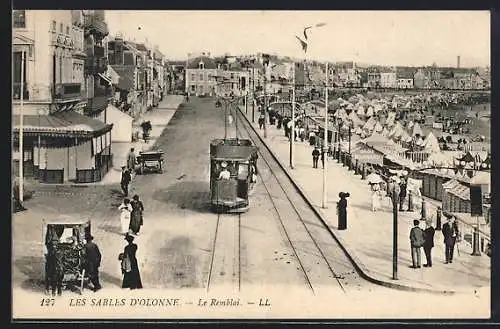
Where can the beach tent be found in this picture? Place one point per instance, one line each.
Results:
(369, 111)
(356, 121)
(416, 130)
(431, 144)
(378, 127)
(370, 124)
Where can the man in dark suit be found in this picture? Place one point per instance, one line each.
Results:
(416, 242)
(92, 261)
(429, 242)
(450, 233)
(315, 155)
(125, 180)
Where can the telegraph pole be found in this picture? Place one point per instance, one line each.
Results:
(325, 167)
(265, 98)
(253, 93)
(292, 130)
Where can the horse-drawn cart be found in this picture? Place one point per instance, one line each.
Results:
(68, 237)
(150, 161)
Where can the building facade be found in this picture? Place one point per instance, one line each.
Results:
(201, 75)
(388, 79)
(59, 143)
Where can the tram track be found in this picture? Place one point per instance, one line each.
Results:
(225, 260)
(320, 260)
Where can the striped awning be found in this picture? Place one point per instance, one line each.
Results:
(61, 124)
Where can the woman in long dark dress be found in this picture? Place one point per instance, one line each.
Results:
(136, 215)
(131, 279)
(342, 210)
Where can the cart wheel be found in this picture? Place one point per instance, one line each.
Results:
(82, 281)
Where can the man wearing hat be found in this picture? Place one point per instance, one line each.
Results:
(224, 174)
(429, 242)
(92, 262)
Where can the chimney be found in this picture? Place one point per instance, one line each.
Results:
(458, 62)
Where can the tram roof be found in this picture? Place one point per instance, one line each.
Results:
(231, 149)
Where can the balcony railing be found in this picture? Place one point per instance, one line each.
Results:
(96, 25)
(16, 91)
(66, 91)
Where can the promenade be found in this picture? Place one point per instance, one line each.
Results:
(160, 117)
(369, 236)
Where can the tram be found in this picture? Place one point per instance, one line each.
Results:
(233, 169)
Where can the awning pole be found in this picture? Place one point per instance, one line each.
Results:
(21, 133)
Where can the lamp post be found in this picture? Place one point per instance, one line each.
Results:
(339, 124)
(395, 202)
(325, 167)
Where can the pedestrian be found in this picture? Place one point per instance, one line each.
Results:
(136, 219)
(18, 206)
(125, 180)
(131, 160)
(330, 150)
(323, 158)
(125, 211)
(416, 241)
(54, 271)
(92, 262)
(342, 210)
(429, 242)
(424, 209)
(302, 133)
(130, 266)
(375, 197)
(450, 234)
(261, 121)
(315, 155)
(402, 194)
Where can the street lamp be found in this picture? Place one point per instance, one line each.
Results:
(395, 202)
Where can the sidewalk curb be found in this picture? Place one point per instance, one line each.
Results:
(362, 269)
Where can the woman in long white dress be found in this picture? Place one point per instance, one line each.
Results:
(125, 211)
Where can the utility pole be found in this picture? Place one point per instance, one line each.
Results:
(253, 93)
(325, 167)
(265, 98)
(292, 130)
(21, 134)
(395, 198)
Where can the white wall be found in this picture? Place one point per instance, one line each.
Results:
(122, 125)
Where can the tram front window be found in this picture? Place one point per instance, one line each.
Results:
(243, 170)
(224, 174)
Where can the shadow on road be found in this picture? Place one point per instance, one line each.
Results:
(186, 195)
(34, 268)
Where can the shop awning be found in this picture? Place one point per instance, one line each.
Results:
(105, 78)
(61, 124)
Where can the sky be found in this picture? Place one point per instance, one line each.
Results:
(411, 38)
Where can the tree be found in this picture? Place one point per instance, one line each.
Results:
(449, 139)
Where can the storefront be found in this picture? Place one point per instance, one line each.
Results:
(63, 147)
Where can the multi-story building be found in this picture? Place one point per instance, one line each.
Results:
(388, 78)
(232, 79)
(201, 75)
(130, 64)
(374, 79)
(404, 76)
(59, 143)
(421, 80)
